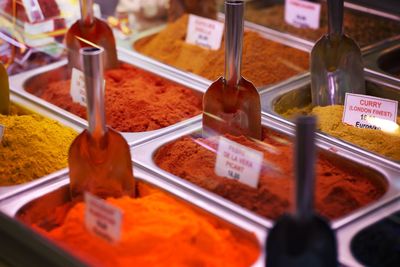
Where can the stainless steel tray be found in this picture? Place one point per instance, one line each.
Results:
(127, 47)
(346, 234)
(55, 194)
(6, 191)
(350, 6)
(19, 82)
(143, 156)
(385, 61)
(298, 94)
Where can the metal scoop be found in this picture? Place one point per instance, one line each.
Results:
(336, 62)
(99, 159)
(302, 239)
(90, 31)
(4, 92)
(232, 104)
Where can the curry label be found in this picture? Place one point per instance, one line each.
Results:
(102, 219)
(204, 32)
(302, 14)
(77, 90)
(369, 112)
(238, 162)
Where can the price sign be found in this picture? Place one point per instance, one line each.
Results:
(77, 90)
(102, 219)
(238, 162)
(302, 14)
(38, 28)
(204, 32)
(369, 112)
(33, 10)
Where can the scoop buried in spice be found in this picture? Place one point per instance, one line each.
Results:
(302, 239)
(232, 104)
(90, 31)
(336, 63)
(99, 158)
(4, 91)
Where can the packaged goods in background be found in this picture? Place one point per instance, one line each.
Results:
(135, 100)
(32, 147)
(339, 189)
(156, 229)
(264, 62)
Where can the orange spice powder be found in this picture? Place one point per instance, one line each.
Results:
(157, 231)
(264, 62)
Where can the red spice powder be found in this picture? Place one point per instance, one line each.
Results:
(135, 100)
(339, 190)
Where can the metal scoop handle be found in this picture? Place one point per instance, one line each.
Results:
(335, 17)
(305, 166)
(87, 13)
(94, 81)
(234, 11)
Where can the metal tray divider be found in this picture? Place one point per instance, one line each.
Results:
(372, 58)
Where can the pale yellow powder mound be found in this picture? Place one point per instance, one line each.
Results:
(330, 122)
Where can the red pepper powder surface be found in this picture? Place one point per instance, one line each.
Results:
(339, 190)
(135, 100)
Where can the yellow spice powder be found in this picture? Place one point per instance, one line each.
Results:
(330, 122)
(32, 147)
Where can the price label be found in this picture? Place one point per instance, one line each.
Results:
(38, 28)
(102, 219)
(302, 14)
(33, 10)
(238, 162)
(77, 90)
(204, 32)
(369, 112)
(2, 127)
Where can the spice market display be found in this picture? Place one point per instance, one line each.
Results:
(199, 133)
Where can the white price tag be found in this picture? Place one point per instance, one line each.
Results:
(302, 14)
(38, 28)
(369, 112)
(2, 127)
(33, 10)
(238, 162)
(102, 219)
(204, 32)
(77, 90)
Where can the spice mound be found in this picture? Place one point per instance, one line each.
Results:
(157, 230)
(32, 147)
(135, 100)
(340, 189)
(330, 122)
(365, 29)
(264, 62)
